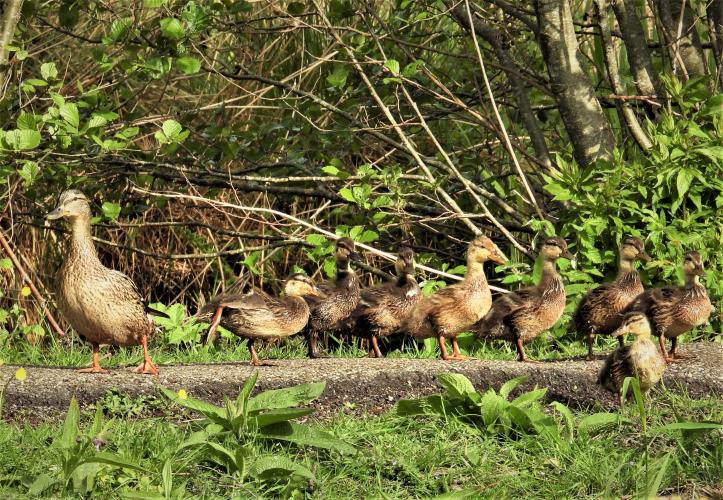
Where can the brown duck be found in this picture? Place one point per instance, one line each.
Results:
(102, 305)
(454, 309)
(521, 316)
(256, 315)
(341, 296)
(383, 308)
(640, 359)
(674, 310)
(598, 313)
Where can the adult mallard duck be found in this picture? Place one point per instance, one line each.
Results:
(255, 315)
(102, 305)
(640, 359)
(598, 313)
(452, 310)
(383, 308)
(341, 296)
(521, 316)
(674, 310)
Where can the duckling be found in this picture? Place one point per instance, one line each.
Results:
(255, 315)
(452, 310)
(101, 304)
(674, 310)
(640, 359)
(383, 308)
(598, 311)
(341, 296)
(521, 316)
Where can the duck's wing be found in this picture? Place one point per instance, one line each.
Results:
(494, 324)
(617, 366)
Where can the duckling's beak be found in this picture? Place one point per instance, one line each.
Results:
(315, 292)
(56, 214)
(619, 332)
(644, 256)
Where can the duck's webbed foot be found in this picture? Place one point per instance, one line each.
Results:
(95, 367)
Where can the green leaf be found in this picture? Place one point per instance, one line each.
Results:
(683, 181)
(22, 140)
(529, 397)
(287, 397)
(29, 172)
(119, 29)
(457, 385)
(210, 411)
(492, 405)
(316, 239)
(567, 417)
(688, 426)
(48, 71)
(597, 421)
(153, 4)
(510, 385)
(280, 415)
(70, 426)
(269, 466)
(172, 28)
(69, 112)
(6, 263)
(42, 482)
(305, 436)
(392, 65)
(111, 210)
(347, 194)
(338, 77)
(188, 65)
(171, 128)
(115, 461)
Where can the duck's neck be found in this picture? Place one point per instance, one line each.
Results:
(342, 267)
(550, 277)
(475, 275)
(692, 281)
(625, 266)
(80, 243)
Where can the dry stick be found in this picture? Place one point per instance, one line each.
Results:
(296, 220)
(508, 143)
(465, 182)
(611, 60)
(16, 262)
(402, 136)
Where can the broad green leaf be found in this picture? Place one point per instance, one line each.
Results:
(316, 239)
(338, 77)
(305, 436)
(69, 112)
(567, 417)
(287, 397)
(119, 29)
(347, 194)
(281, 415)
(171, 128)
(520, 418)
(597, 421)
(510, 385)
(683, 181)
(491, 406)
(42, 482)
(688, 426)
(392, 65)
(22, 140)
(213, 412)
(111, 210)
(6, 263)
(172, 28)
(188, 65)
(269, 466)
(70, 426)
(115, 461)
(153, 4)
(410, 407)
(457, 385)
(530, 397)
(48, 71)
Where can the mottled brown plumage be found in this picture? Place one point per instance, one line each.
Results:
(674, 310)
(256, 315)
(640, 359)
(521, 316)
(102, 305)
(598, 313)
(383, 308)
(341, 296)
(454, 309)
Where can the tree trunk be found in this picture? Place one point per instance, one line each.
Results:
(499, 42)
(682, 38)
(636, 46)
(9, 16)
(583, 117)
(715, 21)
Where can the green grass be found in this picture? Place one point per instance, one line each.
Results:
(74, 353)
(398, 458)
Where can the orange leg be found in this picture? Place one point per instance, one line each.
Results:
(214, 325)
(374, 352)
(255, 361)
(443, 350)
(673, 355)
(521, 351)
(661, 341)
(95, 367)
(147, 367)
(456, 354)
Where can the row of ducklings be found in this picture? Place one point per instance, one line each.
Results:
(105, 307)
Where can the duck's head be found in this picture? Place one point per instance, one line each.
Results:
(405, 262)
(555, 247)
(635, 323)
(346, 251)
(482, 249)
(72, 205)
(300, 285)
(633, 249)
(693, 264)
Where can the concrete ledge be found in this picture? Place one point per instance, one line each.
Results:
(372, 385)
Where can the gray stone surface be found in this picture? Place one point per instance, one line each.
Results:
(367, 385)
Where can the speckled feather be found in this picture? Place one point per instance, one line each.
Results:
(642, 359)
(673, 310)
(342, 297)
(383, 308)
